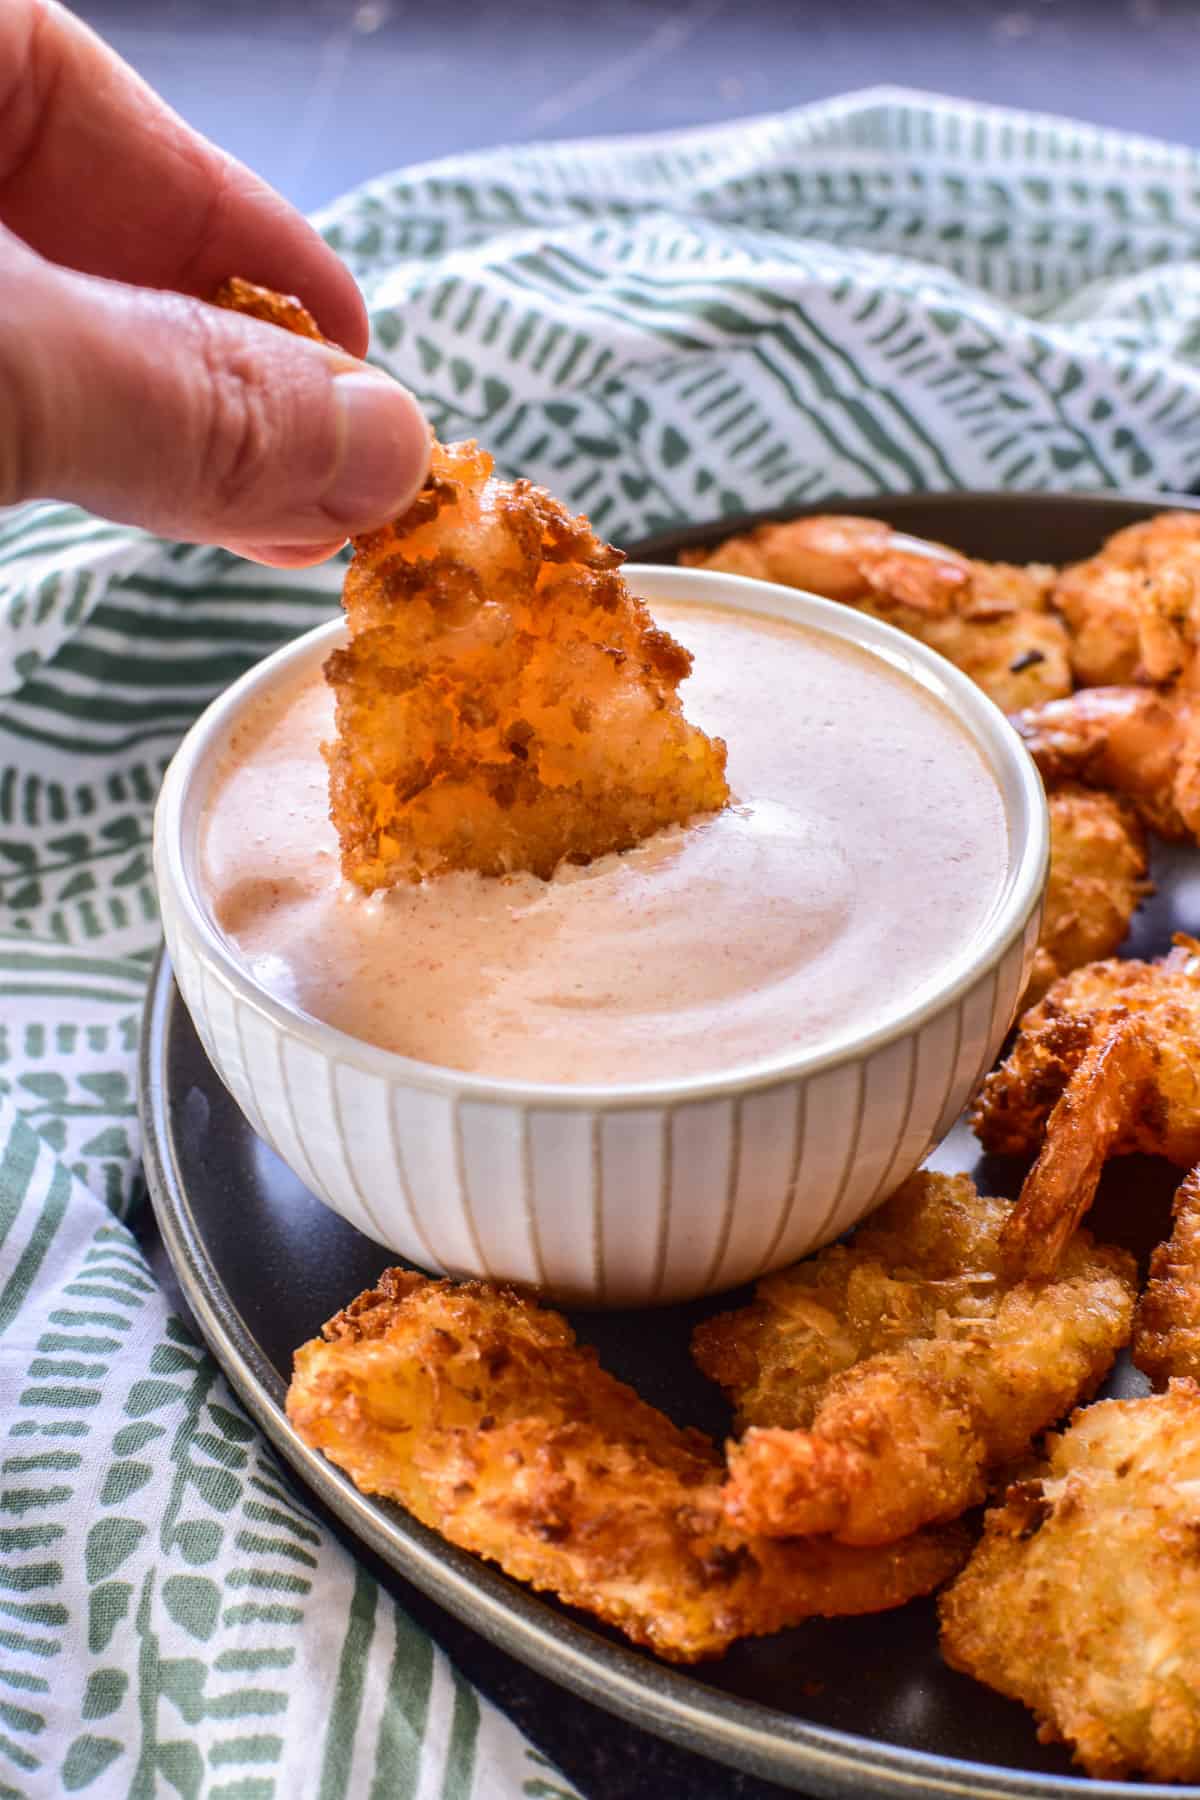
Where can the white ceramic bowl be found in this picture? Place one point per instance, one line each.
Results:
(615, 1196)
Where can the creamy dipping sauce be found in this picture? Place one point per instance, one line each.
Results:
(866, 847)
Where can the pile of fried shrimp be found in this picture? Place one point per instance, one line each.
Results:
(1096, 664)
(913, 1407)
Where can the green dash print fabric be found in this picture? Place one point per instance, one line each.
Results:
(888, 291)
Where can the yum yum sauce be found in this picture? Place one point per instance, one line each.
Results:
(865, 847)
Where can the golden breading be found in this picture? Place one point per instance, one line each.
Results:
(1083, 1598)
(1113, 1083)
(477, 1411)
(503, 702)
(1097, 879)
(1161, 1119)
(1166, 1325)
(263, 303)
(1133, 609)
(990, 619)
(881, 1382)
(1134, 741)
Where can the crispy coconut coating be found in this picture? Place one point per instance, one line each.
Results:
(263, 303)
(1097, 879)
(1083, 1598)
(990, 619)
(1161, 1117)
(1133, 609)
(477, 1411)
(1113, 1082)
(880, 1383)
(1134, 741)
(503, 701)
(1166, 1326)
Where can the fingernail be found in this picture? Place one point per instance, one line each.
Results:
(383, 451)
(287, 556)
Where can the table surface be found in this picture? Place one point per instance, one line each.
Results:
(321, 94)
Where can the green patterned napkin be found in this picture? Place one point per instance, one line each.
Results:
(887, 291)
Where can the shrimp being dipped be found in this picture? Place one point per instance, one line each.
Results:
(1083, 1598)
(881, 1383)
(1133, 609)
(1097, 879)
(1134, 741)
(477, 1411)
(503, 701)
(990, 619)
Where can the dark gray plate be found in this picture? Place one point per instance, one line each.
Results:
(849, 1708)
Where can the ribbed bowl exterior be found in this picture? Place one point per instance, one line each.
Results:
(612, 1205)
(605, 1197)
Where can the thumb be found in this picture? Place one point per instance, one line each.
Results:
(194, 422)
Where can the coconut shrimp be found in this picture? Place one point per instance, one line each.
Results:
(1133, 609)
(992, 620)
(880, 1383)
(1133, 741)
(503, 701)
(1097, 879)
(476, 1409)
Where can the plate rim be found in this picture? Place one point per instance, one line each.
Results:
(674, 538)
(632, 1684)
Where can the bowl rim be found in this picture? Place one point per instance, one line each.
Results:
(988, 728)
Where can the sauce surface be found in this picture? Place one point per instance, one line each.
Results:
(866, 847)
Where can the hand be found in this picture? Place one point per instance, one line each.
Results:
(119, 388)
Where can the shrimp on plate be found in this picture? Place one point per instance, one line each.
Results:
(992, 620)
(880, 1384)
(1104, 1065)
(1133, 609)
(1097, 880)
(1133, 741)
(1166, 1325)
(476, 1410)
(1083, 1599)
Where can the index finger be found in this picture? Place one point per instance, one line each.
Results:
(99, 174)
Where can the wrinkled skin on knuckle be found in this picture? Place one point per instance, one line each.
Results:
(266, 442)
(239, 436)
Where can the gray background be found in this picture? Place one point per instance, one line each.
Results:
(319, 94)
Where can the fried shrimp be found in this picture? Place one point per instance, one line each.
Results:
(1166, 1325)
(477, 1411)
(1160, 1117)
(1134, 741)
(1133, 609)
(1097, 878)
(1083, 1598)
(1112, 1085)
(880, 1383)
(263, 303)
(990, 619)
(503, 701)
